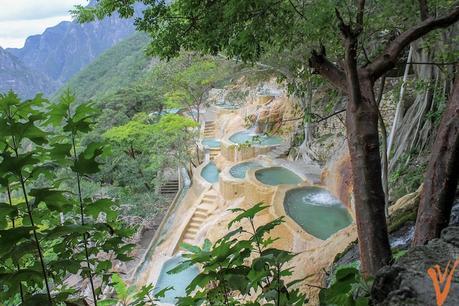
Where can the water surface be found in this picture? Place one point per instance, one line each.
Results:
(240, 170)
(210, 173)
(276, 176)
(317, 211)
(179, 281)
(255, 139)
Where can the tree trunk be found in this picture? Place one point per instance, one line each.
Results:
(363, 139)
(442, 175)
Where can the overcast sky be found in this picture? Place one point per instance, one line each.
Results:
(22, 18)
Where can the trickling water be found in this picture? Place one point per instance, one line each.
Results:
(276, 176)
(316, 211)
(179, 281)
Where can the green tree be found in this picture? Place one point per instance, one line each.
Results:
(363, 44)
(190, 87)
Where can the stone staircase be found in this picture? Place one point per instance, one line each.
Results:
(202, 212)
(209, 129)
(169, 189)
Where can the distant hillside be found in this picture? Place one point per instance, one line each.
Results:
(119, 66)
(14, 75)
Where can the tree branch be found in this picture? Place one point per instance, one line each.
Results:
(321, 65)
(388, 59)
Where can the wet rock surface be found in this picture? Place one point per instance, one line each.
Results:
(407, 283)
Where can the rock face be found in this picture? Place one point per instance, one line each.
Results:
(407, 283)
(62, 50)
(14, 75)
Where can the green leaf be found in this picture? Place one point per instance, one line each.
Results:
(61, 152)
(36, 300)
(7, 210)
(54, 199)
(248, 214)
(86, 162)
(10, 237)
(93, 209)
(62, 231)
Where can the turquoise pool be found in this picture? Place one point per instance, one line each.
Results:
(240, 170)
(179, 281)
(317, 211)
(211, 143)
(255, 139)
(276, 176)
(210, 173)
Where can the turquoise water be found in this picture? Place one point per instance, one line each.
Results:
(179, 281)
(227, 105)
(240, 170)
(276, 176)
(210, 173)
(255, 139)
(317, 211)
(211, 143)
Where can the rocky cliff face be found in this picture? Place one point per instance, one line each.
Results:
(14, 75)
(63, 50)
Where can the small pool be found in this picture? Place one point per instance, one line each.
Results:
(276, 176)
(240, 170)
(179, 281)
(255, 139)
(210, 173)
(227, 105)
(211, 143)
(317, 211)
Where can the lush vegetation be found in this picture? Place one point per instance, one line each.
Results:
(51, 228)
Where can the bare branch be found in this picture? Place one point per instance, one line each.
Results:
(388, 59)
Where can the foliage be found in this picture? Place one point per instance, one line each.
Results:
(347, 289)
(242, 268)
(144, 148)
(50, 232)
(131, 296)
(118, 67)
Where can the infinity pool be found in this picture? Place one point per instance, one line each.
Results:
(179, 281)
(255, 139)
(211, 143)
(276, 176)
(317, 211)
(210, 173)
(240, 170)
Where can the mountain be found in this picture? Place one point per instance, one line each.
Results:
(63, 50)
(14, 75)
(116, 68)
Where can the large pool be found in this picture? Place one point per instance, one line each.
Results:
(210, 173)
(179, 281)
(255, 139)
(240, 170)
(276, 176)
(317, 211)
(211, 143)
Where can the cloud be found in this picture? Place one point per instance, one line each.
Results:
(35, 9)
(14, 33)
(20, 19)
